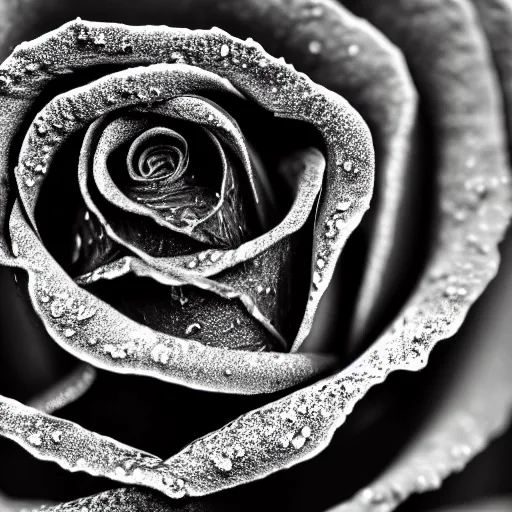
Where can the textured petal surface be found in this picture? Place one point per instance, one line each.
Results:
(471, 150)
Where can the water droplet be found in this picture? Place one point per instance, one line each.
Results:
(35, 439)
(298, 441)
(120, 472)
(33, 66)
(30, 182)
(228, 373)
(57, 436)
(316, 279)
(317, 12)
(15, 248)
(306, 432)
(57, 308)
(154, 91)
(41, 129)
(347, 165)
(222, 463)
(470, 162)
(343, 206)
(224, 50)
(4, 81)
(239, 451)
(315, 47)
(69, 332)
(192, 264)
(320, 263)
(99, 40)
(274, 89)
(84, 314)
(126, 45)
(192, 328)
(176, 57)
(215, 256)
(366, 495)
(353, 50)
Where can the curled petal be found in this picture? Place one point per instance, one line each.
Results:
(66, 391)
(307, 167)
(77, 449)
(473, 409)
(269, 82)
(96, 333)
(472, 150)
(127, 500)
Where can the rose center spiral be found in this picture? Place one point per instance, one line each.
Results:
(157, 155)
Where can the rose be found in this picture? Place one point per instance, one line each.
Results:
(437, 293)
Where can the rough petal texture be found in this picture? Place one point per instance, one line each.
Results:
(70, 111)
(472, 207)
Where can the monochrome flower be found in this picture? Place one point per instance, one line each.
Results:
(181, 200)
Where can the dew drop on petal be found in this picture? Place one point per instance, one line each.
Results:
(298, 441)
(315, 47)
(57, 309)
(222, 463)
(215, 256)
(343, 206)
(224, 50)
(353, 50)
(57, 436)
(306, 432)
(35, 439)
(99, 40)
(192, 328)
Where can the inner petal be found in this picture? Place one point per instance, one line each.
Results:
(157, 166)
(156, 160)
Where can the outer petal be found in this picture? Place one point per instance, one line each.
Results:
(474, 408)
(471, 150)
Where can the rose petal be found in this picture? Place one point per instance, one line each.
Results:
(496, 18)
(128, 500)
(473, 409)
(113, 136)
(268, 81)
(96, 333)
(258, 284)
(66, 391)
(492, 505)
(77, 449)
(308, 167)
(469, 129)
